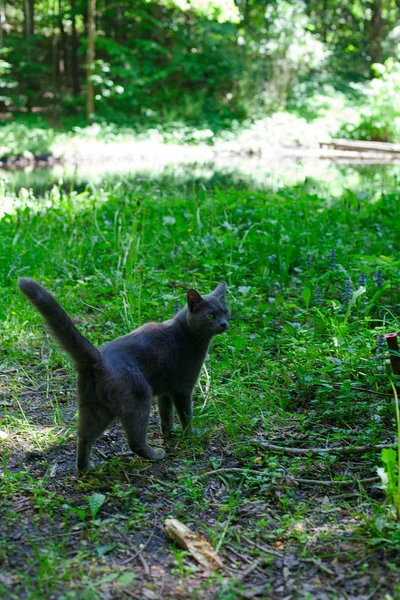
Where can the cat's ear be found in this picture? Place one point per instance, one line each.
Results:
(220, 290)
(193, 299)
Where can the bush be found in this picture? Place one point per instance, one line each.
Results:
(380, 112)
(18, 139)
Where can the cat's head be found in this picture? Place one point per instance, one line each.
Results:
(208, 315)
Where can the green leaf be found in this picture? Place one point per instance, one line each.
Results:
(238, 342)
(107, 579)
(96, 501)
(361, 290)
(377, 295)
(102, 550)
(389, 459)
(126, 578)
(290, 329)
(306, 296)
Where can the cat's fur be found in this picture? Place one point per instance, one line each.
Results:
(120, 379)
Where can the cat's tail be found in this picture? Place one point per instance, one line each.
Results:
(84, 354)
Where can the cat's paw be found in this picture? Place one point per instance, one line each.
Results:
(149, 453)
(168, 433)
(157, 454)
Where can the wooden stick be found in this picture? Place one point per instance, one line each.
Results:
(331, 450)
(329, 482)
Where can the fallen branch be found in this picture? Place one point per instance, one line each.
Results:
(361, 145)
(296, 480)
(227, 470)
(330, 482)
(331, 450)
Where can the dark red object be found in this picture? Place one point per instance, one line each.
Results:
(394, 351)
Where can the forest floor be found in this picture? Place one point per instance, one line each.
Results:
(300, 368)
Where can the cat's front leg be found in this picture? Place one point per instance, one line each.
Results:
(184, 407)
(166, 412)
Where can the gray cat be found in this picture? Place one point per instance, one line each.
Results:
(120, 379)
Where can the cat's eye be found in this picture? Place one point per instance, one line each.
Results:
(210, 315)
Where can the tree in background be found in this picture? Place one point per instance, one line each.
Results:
(199, 61)
(90, 57)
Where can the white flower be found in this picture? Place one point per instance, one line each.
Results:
(384, 477)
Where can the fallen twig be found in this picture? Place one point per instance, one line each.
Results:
(149, 478)
(227, 470)
(330, 482)
(263, 548)
(139, 552)
(253, 567)
(296, 480)
(331, 450)
(319, 565)
(242, 557)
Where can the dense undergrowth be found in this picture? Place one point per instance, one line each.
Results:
(312, 284)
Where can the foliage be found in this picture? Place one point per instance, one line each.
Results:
(206, 63)
(6, 83)
(379, 111)
(20, 139)
(294, 52)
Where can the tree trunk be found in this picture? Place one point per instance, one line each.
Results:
(63, 67)
(119, 23)
(55, 48)
(324, 18)
(91, 32)
(2, 21)
(28, 18)
(376, 28)
(74, 53)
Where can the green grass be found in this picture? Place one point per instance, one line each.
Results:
(300, 366)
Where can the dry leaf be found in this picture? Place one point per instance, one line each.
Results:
(195, 543)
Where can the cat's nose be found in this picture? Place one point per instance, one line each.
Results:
(224, 325)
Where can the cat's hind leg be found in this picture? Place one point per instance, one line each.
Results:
(184, 407)
(91, 426)
(135, 418)
(166, 412)
(93, 419)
